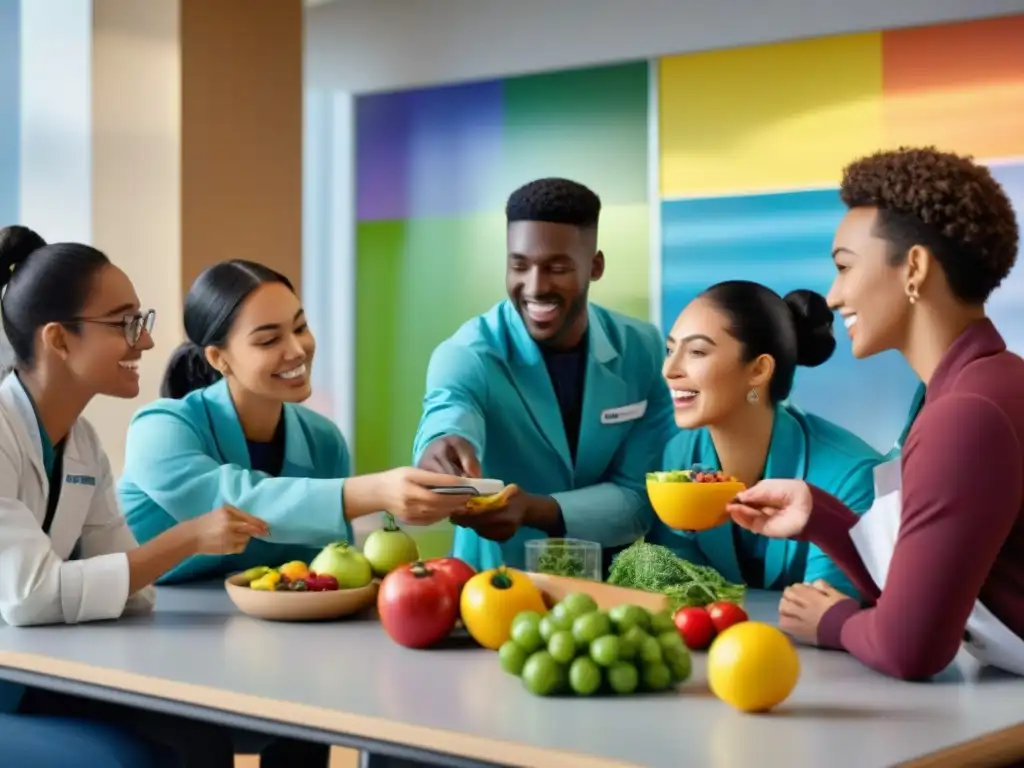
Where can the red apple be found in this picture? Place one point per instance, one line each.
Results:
(418, 605)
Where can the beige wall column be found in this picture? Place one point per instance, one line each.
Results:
(241, 133)
(196, 153)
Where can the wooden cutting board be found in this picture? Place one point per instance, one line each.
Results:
(607, 596)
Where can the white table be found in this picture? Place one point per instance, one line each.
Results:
(346, 683)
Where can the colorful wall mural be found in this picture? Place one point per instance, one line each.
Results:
(433, 171)
(750, 146)
(752, 142)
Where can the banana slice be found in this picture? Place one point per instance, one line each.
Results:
(492, 502)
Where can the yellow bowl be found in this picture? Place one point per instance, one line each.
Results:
(692, 506)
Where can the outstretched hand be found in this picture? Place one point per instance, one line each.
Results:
(778, 509)
(407, 493)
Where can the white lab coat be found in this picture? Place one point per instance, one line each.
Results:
(988, 640)
(38, 585)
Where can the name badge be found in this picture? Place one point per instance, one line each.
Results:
(79, 480)
(630, 412)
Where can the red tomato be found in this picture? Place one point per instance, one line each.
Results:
(418, 605)
(724, 615)
(695, 627)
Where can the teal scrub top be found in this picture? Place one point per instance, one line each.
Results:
(186, 457)
(488, 383)
(803, 446)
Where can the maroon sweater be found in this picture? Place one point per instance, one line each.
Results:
(962, 528)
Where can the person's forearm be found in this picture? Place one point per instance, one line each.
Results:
(361, 496)
(151, 560)
(829, 528)
(544, 514)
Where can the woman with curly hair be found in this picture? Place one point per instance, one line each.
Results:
(939, 557)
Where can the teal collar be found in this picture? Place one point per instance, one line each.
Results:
(528, 353)
(787, 459)
(49, 454)
(227, 431)
(604, 388)
(915, 408)
(787, 449)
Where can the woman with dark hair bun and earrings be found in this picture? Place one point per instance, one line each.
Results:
(939, 557)
(731, 359)
(76, 330)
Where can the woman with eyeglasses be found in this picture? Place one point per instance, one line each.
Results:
(75, 330)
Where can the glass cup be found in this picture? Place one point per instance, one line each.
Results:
(564, 557)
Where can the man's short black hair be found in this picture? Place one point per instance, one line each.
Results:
(556, 201)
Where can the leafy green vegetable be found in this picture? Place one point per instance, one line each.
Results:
(559, 561)
(654, 568)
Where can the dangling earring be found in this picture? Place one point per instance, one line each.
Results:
(752, 396)
(912, 293)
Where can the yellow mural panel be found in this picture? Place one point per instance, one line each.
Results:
(769, 117)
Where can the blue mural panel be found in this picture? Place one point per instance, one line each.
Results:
(10, 103)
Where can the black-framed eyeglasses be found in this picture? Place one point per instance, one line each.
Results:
(131, 325)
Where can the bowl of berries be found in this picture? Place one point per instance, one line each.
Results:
(692, 499)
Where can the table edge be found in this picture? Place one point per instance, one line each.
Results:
(304, 715)
(992, 748)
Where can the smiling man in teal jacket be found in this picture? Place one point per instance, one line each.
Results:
(547, 391)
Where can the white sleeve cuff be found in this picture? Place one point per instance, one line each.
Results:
(94, 589)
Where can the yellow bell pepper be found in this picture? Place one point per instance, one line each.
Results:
(492, 599)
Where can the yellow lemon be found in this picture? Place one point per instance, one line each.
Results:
(752, 666)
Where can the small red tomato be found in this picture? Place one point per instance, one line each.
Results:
(724, 615)
(695, 627)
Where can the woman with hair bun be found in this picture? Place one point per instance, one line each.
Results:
(76, 331)
(731, 358)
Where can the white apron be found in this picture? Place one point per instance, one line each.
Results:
(989, 641)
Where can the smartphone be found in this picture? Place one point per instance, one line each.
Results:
(471, 488)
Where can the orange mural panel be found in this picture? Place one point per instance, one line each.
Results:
(957, 86)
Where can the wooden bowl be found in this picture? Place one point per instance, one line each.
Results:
(692, 506)
(607, 596)
(299, 606)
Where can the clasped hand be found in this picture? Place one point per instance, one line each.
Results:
(455, 455)
(802, 607)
